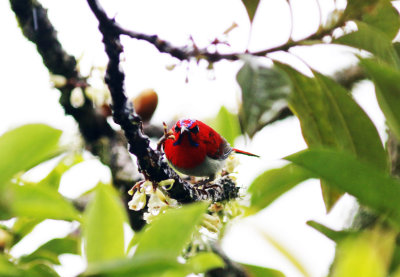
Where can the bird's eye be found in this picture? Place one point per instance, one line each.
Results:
(195, 129)
(177, 128)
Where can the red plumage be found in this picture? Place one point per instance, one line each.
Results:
(197, 149)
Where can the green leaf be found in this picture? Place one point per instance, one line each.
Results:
(395, 263)
(41, 270)
(271, 184)
(258, 271)
(329, 233)
(60, 246)
(23, 226)
(8, 269)
(25, 147)
(39, 202)
(357, 8)
(226, 124)
(103, 230)
(387, 89)
(384, 17)
(367, 255)
(310, 104)
(52, 249)
(264, 94)
(152, 264)
(353, 129)
(251, 8)
(204, 261)
(170, 232)
(52, 180)
(371, 186)
(373, 40)
(330, 117)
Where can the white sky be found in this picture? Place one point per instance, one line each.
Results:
(28, 97)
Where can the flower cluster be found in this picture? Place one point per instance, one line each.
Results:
(155, 197)
(157, 200)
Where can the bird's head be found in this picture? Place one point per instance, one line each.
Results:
(186, 127)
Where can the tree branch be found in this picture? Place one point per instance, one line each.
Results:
(100, 139)
(36, 27)
(186, 53)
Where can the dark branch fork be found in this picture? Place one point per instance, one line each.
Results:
(150, 161)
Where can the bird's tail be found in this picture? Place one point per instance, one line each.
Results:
(245, 153)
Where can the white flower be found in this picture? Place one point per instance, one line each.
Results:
(138, 201)
(156, 202)
(147, 187)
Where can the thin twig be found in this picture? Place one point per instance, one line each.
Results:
(187, 53)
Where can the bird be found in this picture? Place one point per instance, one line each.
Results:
(195, 149)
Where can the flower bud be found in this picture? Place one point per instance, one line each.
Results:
(145, 104)
(211, 222)
(58, 80)
(77, 98)
(167, 183)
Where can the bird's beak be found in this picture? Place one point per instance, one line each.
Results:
(184, 129)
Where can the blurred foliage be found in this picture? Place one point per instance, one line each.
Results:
(264, 94)
(368, 254)
(387, 90)
(258, 271)
(227, 124)
(344, 151)
(271, 184)
(103, 227)
(20, 154)
(334, 235)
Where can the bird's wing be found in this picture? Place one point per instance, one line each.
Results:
(219, 149)
(225, 150)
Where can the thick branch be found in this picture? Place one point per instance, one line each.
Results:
(100, 138)
(150, 161)
(36, 27)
